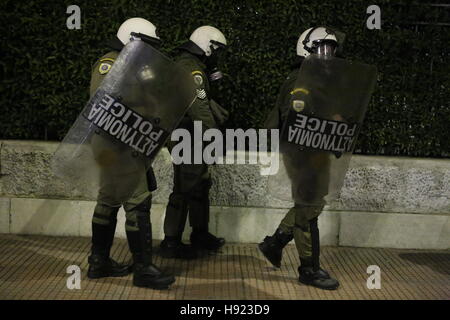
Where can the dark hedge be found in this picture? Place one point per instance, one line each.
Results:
(45, 68)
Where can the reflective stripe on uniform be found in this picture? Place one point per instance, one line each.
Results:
(201, 94)
(107, 59)
(300, 90)
(105, 65)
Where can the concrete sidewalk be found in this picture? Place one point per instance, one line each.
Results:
(34, 267)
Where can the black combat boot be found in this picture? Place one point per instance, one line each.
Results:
(150, 276)
(173, 247)
(310, 271)
(145, 273)
(272, 246)
(100, 263)
(203, 240)
(101, 266)
(318, 278)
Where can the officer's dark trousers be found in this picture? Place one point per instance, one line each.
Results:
(309, 175)
(190, 196)
(120, 185)
(298, 223)
(104, 220)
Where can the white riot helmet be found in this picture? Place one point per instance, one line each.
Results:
(143, 28)
(319, 40)
(206, 37)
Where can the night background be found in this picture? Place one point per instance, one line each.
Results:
(45, 68)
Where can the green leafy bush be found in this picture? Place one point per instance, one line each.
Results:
(45, 68)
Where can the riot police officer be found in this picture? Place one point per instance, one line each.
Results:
(137, 206)
(310, 184)
(192, 182)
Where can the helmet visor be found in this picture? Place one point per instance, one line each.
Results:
(325, 47)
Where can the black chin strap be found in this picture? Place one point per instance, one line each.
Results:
(306, 40)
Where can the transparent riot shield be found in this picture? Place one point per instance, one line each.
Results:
(318, 136)
(125, 123)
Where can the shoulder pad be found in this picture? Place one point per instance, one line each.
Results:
(303, 90)
(105, 65)
(198, 77)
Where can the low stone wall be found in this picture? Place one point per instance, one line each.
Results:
(385, 201)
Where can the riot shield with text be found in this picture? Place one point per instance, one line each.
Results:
(125, 123)
(319, 133)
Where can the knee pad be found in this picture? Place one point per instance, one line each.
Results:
(135, 218)
(104, 214)
(142, 209)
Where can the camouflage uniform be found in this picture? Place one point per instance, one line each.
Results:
(296, 222)
(309, 173)
(192, 182)
(112, 188)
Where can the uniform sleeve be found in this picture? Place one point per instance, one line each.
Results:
(99, 71)
(279, 112)
(201, 109)
(286, 100)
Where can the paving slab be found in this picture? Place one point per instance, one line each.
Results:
(35, 267)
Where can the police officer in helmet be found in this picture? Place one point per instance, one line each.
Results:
(190, 196)
(300, 223)
(137, 207)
